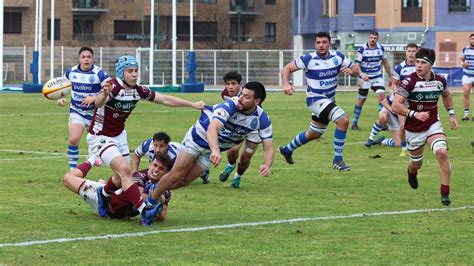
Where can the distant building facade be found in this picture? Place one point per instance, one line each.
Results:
(264, 24)
(441, 24)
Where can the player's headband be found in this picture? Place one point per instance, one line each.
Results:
(424, 58)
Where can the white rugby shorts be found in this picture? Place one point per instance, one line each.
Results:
(467, 80)
(416, 140)
(201, 154)
(108, 148)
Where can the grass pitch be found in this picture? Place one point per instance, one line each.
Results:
(34, 205)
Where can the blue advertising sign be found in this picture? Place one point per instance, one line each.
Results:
(453, 76)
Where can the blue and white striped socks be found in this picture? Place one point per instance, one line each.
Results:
(72, 155)
(375, 130)
(297, 142)
(339, 140)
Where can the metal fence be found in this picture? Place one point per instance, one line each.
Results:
(261, 65)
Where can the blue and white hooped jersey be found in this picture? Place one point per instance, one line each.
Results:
(403, 70)
(236, 125)
(85, 83)
(468, 55)
(321, 74)
(370, 60)
(146, 149)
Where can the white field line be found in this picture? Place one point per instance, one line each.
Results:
(143, 111)
(227, 226)
(55, 154)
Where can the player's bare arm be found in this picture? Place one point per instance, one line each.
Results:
(212, 139)
(285, 77)
(88, 100)
(448, 104)
(386, 65)
(169, 100)
(352, 71)
(268, 155)
(399, 108)
(103, 97)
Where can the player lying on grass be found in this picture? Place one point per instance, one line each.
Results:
(118, 207)
(159, 143)
(228, 124)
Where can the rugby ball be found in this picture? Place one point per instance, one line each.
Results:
(57, 88)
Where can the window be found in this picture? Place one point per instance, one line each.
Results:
(57, 29)
(234, 29)
(412, 11)
(169, 1)
(182, 28)
(364, 6)
(207, 1)
(270, 2)
(130, 29)
(83, 29)
(270, 32)
(12, 22)
(459, 5)
(205, 31)
(337, 7)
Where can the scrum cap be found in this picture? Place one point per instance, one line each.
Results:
(124, 62)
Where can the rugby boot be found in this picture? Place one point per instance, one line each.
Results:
(235, 182)
(412, 180)
(226, 173)
(445, 200)
(102, 202)
(205, 177)
(288, 156)
(149, 214)
(355, 127)
(340, 165)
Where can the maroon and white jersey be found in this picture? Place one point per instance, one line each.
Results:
(422, 96)
(225, 94)
(109, 120)
(119, 207)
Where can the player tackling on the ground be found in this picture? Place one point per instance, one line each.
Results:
(422, 89)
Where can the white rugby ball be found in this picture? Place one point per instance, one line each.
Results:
(57, 88)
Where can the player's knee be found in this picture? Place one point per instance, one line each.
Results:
(245, 157)
(342, 121)
(74, 141)
(440, 148)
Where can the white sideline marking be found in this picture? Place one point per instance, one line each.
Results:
(226, 226)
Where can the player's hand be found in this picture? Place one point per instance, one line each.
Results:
(454, 122)
(288, 89)
(107, 88)
(265, 170)
(346, 71)
(422, 116)
(198, 105)
(215, 158)
(365, 77)
(61, 102)
(464, 64)
(88, 101)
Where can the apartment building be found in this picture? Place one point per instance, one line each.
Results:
(441, 24)
(218, 24)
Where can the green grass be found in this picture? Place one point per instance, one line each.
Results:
(34, 205)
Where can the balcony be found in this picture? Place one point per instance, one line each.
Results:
(245, 7)
(89, 7)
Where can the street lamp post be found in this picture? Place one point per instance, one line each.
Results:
(238, 9)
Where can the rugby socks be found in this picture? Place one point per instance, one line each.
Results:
(466, 112)
(375, 130)
(357, 112)
(388, 142)
(109, 188)
(297, 142)
(444, 189)
(72, 155)
(84, 167)
(403, 144)
(132, 194)
(339, 140)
